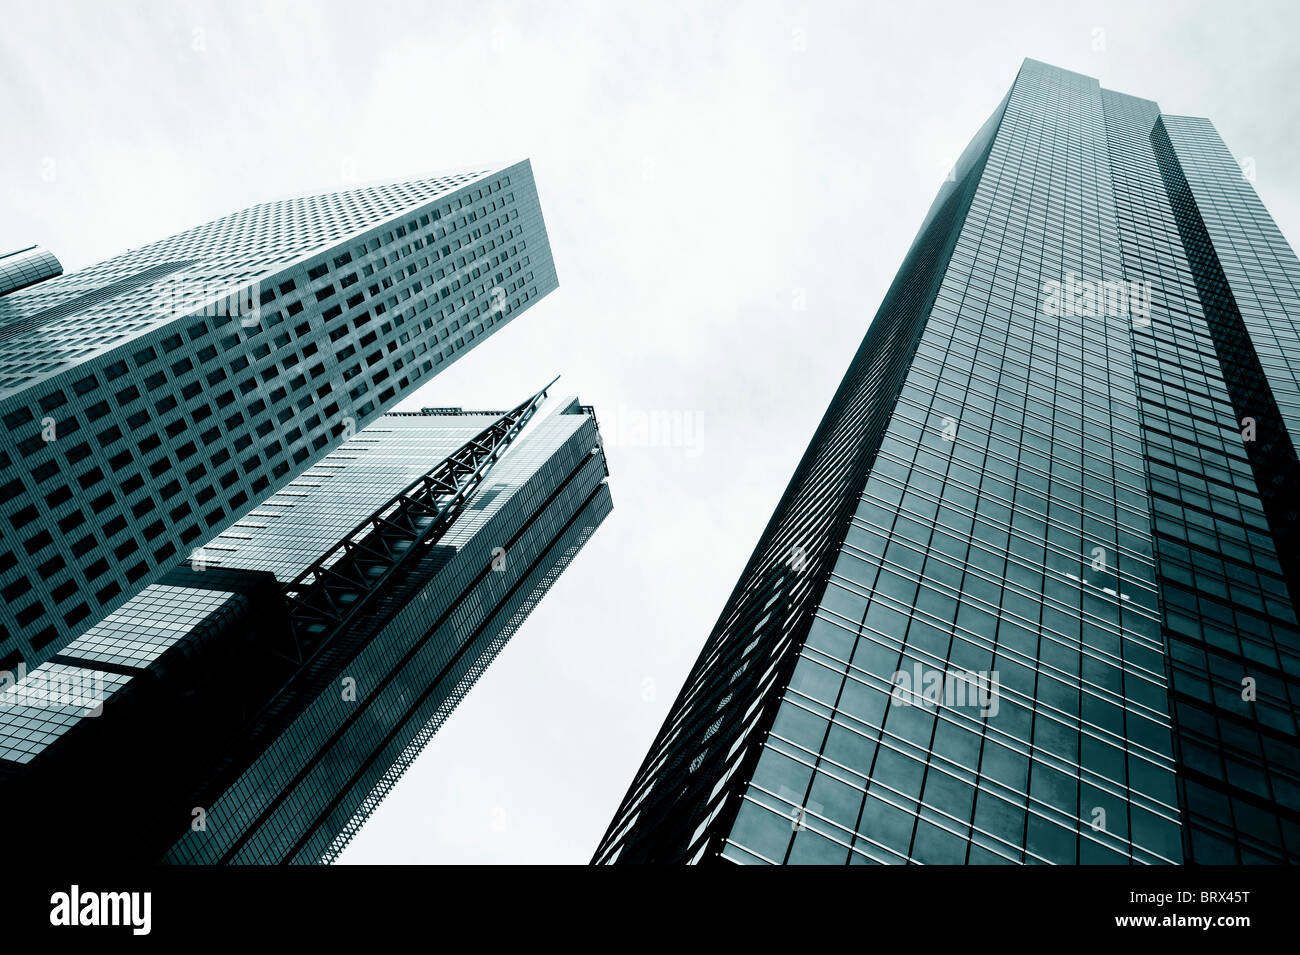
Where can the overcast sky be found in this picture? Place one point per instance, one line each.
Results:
(728, 190)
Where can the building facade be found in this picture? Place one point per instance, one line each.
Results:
(27, 266)
(258, 704)
(149, 401)
(1029, 596)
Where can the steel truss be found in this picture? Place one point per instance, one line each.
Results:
(328, 594)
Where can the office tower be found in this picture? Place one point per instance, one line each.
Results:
(149, 401)
(257, 704)
(1029, 596)
(27, 266)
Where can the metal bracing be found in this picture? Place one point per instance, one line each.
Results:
(324, 600)
(325, 596)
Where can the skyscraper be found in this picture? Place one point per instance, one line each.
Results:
(257, 704)
(24, 267)
(1029, 596)
(151, 400)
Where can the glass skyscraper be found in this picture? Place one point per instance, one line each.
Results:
(258, 703)
(149, 401)
(1029, 596)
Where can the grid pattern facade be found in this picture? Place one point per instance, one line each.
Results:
(287, 768)
(1232, 621)
(680, 799)
(27, 730)
(970, 554)
(148, 402)
(1062, 513)
(26, 267)
(307, 784)
(464, 672)
(288, 531)
(1258, 265)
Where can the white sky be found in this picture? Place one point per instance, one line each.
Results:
(703, 172)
